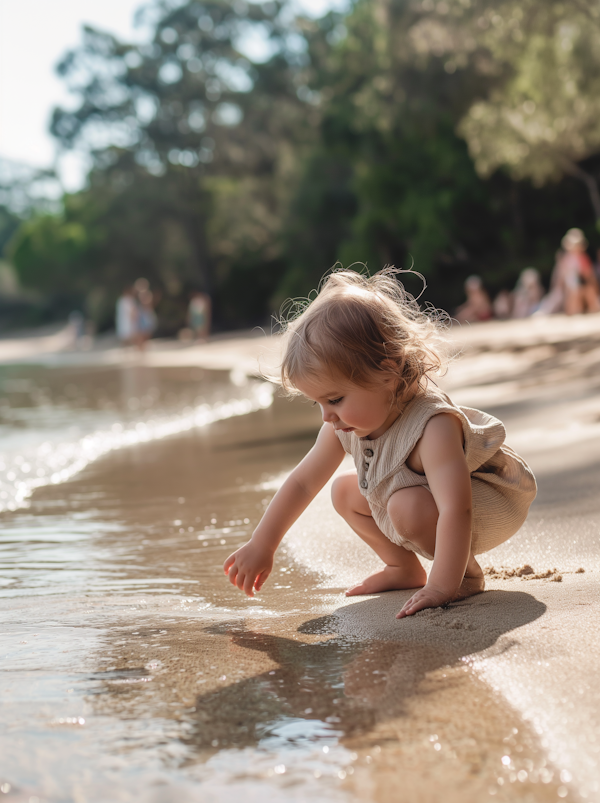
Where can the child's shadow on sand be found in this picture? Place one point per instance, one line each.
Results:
(366, 669)
(464, 627)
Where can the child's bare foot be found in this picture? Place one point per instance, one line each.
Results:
(391, 578)
(470, 586)
(473, 581)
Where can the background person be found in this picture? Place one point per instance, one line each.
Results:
(478, 306)
(199, 315)
(553, 302)
(576, 275)
(527, 294)
(147, 320)
(502, 305)
(126, 318)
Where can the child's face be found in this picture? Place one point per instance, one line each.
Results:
(351, 408)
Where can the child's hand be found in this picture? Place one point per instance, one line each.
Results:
(425, 597)
(249, 567)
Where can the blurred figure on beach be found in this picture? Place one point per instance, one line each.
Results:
(126, 317)
(80, 331)
(478, 306)
(553, 302)
(146, 321)
(578, 276)
(528, 293)
(503, 305)
(76, 326)
(199, 314)
(574, 286)
(136, 319)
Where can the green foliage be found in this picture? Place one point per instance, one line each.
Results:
(9, 223)
(411, 192)
(545, 118)
(108, 236)
(396, 86)
(45, 251)
(388, 115)
(320, 218)
(458, 136)
(192, 165)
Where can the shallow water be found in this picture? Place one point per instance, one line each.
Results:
(54, 422)
(131, 669)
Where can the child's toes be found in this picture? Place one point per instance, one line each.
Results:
(356, 590)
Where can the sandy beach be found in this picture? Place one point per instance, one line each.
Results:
(132, 670)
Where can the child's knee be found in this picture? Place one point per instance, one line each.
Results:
(339, 494)
(409, 509)
(342, 491)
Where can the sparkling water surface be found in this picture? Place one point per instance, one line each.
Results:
(123, 490)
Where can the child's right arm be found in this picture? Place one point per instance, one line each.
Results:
(249, 566)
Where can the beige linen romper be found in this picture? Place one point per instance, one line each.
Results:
(503, 485)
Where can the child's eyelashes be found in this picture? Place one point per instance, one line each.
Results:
(330, 401)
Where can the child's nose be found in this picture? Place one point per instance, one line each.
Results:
(328, 415)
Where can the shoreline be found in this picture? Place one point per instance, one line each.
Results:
(521, 656)
(242, 350)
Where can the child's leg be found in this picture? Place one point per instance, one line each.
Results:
(402, 569)
(414, 514)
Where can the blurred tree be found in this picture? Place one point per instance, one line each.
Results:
(194, 133)
(106, 237)
(318, 220)
(395, 78)
(341, 138)
(53, 256)
(9, 223)
(401, 182)
(542, 121)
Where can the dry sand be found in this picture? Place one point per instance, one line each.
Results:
(495, 696)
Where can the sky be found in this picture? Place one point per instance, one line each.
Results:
(34, 34)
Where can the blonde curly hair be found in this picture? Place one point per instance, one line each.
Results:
(362, 329)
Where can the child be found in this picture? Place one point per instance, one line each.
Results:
(431, 478)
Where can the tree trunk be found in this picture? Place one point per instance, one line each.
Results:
(590, 182)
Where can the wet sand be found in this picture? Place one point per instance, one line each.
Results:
(139, 673)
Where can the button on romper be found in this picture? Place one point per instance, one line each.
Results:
(502, 483)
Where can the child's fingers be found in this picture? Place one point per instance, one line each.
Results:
(260, 581)
(228, 563)
(232, 574)
(418, 603)
(408, 608)
(249, 584)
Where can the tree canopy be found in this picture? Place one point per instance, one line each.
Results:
(542, 122)
(244, 149)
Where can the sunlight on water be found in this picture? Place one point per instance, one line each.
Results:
(49, 443)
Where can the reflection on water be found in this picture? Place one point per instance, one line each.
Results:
(300, 700)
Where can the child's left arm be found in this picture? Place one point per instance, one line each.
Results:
(441, 453)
